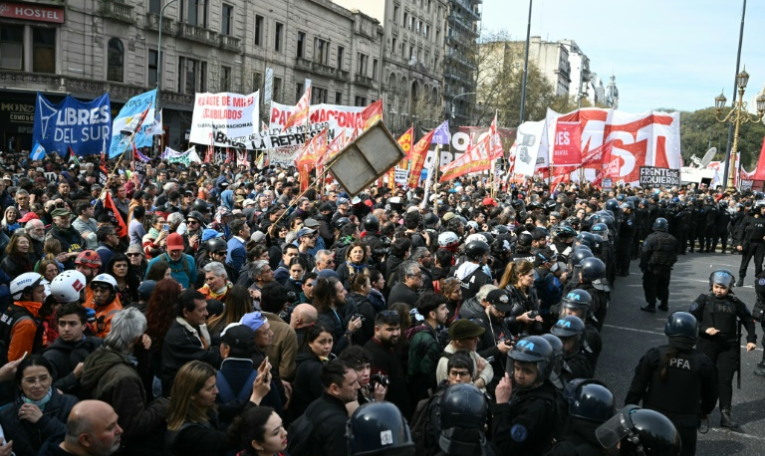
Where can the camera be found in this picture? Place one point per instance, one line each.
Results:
(362, 317)
(381, 379)
(533, 314)
(292, 296)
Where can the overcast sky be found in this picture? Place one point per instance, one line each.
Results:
(665, 54)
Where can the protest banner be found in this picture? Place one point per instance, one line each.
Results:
(84, 126)
(231, 119)
(657, 177)
(338, 118)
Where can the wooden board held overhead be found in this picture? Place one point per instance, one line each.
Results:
(367, 158)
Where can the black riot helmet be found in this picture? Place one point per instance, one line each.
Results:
(589, 400)
(612, 205)
(524, 239)
(610, 221)
(722, 277)
(558, 354)
(593, 269)
(600, 228)
(371, 223)
(577, 299)
(580, 254)
(200, 206)
(570, 326)
(196, 215)
(564, 232)
(475, 250)
(641, 432)
(585, 238)
(534, 349)
(430, 220)
(378, 428)
(661, 224)
(341, 222)
(216, 245)
(682, 324)
(462, 412)
(590, 220)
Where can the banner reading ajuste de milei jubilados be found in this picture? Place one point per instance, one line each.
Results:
(228, 119)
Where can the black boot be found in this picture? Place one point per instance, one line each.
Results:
(740, 282)
(727, 422)
(664, 307)
(760, 371)
(649, 308)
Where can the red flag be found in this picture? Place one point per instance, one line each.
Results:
(474, 160)
(759, 173)
(300, 115)
(372, 113)
(417, 158)
(122, 230)
(496, 142)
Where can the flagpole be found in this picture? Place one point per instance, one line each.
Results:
(435, 177)
(323, 173)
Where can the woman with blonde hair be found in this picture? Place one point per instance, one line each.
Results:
(192, 424)
(238, 303)
(518, 281)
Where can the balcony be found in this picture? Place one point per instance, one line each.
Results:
(341, 75)
(199, 34)
(320, 69)
(365, 81)
(117, 10)
(230, 43)
(468, 7)
(152, 22)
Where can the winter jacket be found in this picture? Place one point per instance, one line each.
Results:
(335, 321)
(64, 357)
(184, 343)
(111, 377)
(307, 385)
(361, 305)
(424, 353)
(284, 346)
(28, 438)
(15, 265)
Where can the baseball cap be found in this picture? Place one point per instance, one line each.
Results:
(239, 336)
(342, 201)
(60, 212)
(174, 242)
(253, 320)
(465, 329)
(28, 216)
(257, 236)
(500, 300)
(210, 233)
(146, 288)
(304, 231)
(488, 201)
(310, 223)
(248, 202)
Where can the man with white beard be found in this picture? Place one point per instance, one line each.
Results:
(36, 230)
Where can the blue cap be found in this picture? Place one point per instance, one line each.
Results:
(146, 288)
(327, 273)
(253, 320)
(210, 233)
(303, 232)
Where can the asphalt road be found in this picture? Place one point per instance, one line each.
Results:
(628, 333)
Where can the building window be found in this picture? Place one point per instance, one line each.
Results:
(338, 98)
(340, 55)
(155, 6)
(419, 26)
(411, 23)
(44, 50)
(429, 5)
(153, 67)
(192, 76)
(318, 95)
(360, 101)
(258, 30)
(395, 13)
(298, 91)
(277, 90)
(361, 64)
(411, 51)
(300, 44)
(196, 12)
(393, 46)
(374, 69)
(115, 69)
(227, 16)
(278, 37)
(257, 81)
(225, 79)
(406, 18)
(12, 47)
(321, 51)
(426, 30)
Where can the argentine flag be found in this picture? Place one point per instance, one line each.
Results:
(38, 152)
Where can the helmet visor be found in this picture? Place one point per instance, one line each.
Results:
(723, 278)
(617, 428)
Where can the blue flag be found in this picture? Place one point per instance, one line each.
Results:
(441, 135)
(38, 152)
(133, 112)
(83, 126)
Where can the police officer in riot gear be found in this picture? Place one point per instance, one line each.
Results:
(379, 428)
(555, 376)
(590, 404)
(523, 248)
(640, 432)
(591, 270)
(719, 314)
(752, 235)
(677, 380)
(471, 273)
(627, 231)
(656, 260)
(570, 331)
(528, 412)
(462, 412)
(578, 303)
(758, 315)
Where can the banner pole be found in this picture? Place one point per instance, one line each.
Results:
(435, 176)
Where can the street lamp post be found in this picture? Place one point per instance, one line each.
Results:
(159, 48)
(737, 115)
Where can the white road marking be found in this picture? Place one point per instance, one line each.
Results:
(655, 333)
(747, 436)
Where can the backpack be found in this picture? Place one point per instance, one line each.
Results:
(422, 430)
(226, 393)
(302, 442)
(185, 266)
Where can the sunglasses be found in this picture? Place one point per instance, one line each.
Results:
(133, 254)
(192, 222)
(220, 253)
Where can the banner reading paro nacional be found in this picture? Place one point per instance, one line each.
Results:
(339, 119)
(228, 119)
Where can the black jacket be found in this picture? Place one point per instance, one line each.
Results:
(306, 387)
(28, 438)
(361, 305)
(64, 357)
(179, 347)
(528, 423)
(329, 431)
(402, 293)
(387, 362)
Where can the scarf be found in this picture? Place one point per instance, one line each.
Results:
(41, 403)
(360, 269)
(153, 233)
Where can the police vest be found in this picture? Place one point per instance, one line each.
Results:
(665, 250)
(719, 313)
(680, 396)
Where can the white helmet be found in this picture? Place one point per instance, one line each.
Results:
(475, 237)
(105, 278)
(446, 238)
(25, 282)
(66, 286)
